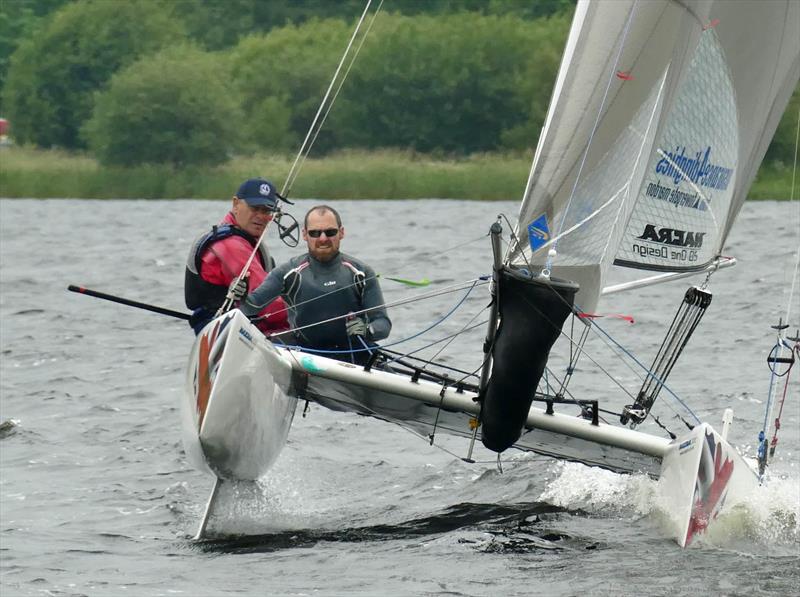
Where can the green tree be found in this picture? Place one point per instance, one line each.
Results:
(448, 83)
(534, 83)
(219, 24)
(281, 78)
(174, 107)
(457, 83)
(54, 73)
(18, 20)
(531, 10)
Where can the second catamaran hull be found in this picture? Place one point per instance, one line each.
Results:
(702, 477)
(428, 408)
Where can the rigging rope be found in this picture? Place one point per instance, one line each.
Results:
(305, 148)
(454, 336)
(408, 355)
(313, 130)
(774, 359)
(797, 227)
(606, 337)
(395, 343)
(776, 354)
(686, 320)
(633, 358)
(399, 269)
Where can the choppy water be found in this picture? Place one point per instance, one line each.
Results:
(96, 497)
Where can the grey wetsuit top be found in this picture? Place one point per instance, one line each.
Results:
(316, 291)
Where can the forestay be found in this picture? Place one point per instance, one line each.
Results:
(660, 116)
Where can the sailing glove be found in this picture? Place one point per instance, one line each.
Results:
(356, 327)
(238, 288)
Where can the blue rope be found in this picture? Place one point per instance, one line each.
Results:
(769, 395)
(369, 349)
(453, 310)
(643, 366)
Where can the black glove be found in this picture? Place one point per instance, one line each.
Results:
(238, 288)
(356, 327)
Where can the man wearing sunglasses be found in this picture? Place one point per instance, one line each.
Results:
(335, 302)
(218, 257)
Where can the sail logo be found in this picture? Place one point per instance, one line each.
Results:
(672, 236)
(538, 232)
(698, 169)
(677, 197)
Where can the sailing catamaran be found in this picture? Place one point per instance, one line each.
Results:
(660, 116)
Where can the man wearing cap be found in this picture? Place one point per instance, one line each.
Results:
(218, 257)
(334, 299)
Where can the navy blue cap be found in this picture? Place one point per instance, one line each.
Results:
(258, 191)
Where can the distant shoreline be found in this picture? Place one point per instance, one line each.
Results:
(383, 174)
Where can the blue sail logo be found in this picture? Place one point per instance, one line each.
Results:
(698, 169)
(538, 232)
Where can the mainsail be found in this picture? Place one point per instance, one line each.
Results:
(660, 116)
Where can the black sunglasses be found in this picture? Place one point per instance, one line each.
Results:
(329, 232)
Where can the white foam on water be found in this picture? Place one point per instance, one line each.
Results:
(598, 491)
(770, 515)
(254, 507)
(767, 518)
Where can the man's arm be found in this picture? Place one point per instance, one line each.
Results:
(379, 323)
(270, 289)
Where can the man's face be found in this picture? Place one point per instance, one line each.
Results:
(252, 220)
(323, 247)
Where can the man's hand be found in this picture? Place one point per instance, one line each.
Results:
(356, 327)
(238, 288)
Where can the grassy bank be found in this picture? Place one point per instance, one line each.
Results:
(350, 175)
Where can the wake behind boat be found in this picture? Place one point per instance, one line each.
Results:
(660, 117)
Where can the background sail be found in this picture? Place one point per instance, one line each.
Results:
(715, 136)
(628, 81)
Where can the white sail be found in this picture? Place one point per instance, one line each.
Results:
(743, 71)
(647, 88)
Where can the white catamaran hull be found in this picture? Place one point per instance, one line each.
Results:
(702, 476)
(237, 409)
(242, 392)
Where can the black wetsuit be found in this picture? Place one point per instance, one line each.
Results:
(316, 291)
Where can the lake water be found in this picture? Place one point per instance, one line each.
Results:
(96, 496)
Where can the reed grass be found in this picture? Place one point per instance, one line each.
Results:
(385, 174)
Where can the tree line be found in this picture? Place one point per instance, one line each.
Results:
(196, 81)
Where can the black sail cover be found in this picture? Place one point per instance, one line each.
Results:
(531, 313)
